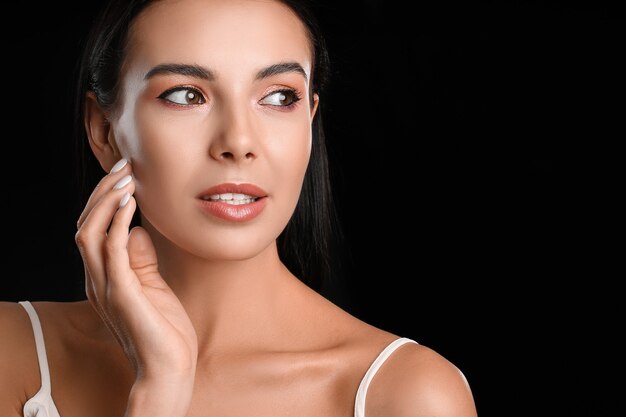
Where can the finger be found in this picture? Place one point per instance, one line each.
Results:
(143, 258)
(125, 293)
(119, 170)
(96, 304)
(92, 295)
(101, 297)
(92, 235)
(117, 260)
(90, 288)
(90, 291)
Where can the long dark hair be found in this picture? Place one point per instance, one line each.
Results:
(307, 244)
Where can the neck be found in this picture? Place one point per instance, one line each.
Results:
(231, 303)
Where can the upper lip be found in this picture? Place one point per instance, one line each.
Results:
(247, 189)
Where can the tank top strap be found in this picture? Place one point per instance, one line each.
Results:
(41, 404)
(359, 405)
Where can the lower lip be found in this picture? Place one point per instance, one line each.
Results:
(234, 213)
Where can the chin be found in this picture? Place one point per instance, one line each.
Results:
(216, 241)
(231, 249)
(235, 255)
(221, 243)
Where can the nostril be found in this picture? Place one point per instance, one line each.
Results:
(249, 155)
(227, 155)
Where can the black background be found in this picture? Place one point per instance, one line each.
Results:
(499, 120)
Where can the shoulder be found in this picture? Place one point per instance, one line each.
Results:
(64, 324)
(59, 321)
(416, 381)
(19, 370)
(18, 341)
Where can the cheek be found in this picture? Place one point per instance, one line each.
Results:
(289, 163)
(290, 154)
(154, 145)
(148, 134)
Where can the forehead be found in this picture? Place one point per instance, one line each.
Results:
(228, 35)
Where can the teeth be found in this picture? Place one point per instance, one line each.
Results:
(231, 198)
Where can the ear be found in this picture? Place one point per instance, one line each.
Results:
(100, 133)
(316, 101)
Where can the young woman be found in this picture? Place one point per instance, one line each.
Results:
(205, 114)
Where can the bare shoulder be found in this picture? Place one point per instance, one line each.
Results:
(416, 381)
(17, 344)
(19, 370)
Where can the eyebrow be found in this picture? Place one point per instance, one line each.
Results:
(189, 70)
(281, 68)
(197, 71)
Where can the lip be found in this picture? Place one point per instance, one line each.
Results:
(234, 213)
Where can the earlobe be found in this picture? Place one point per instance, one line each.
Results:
(100, 133)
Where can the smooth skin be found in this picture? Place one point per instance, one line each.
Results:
(191, 315)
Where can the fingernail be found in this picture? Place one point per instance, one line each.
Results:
(123, 182)
(119, 165)
(125, 199)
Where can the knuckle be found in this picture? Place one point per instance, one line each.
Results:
(83, 236)
(80, 238)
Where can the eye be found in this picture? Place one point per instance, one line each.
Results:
(185, 96)
(281, 98)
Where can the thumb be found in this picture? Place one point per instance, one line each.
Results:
(142, 255)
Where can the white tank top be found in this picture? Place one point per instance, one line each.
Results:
(42, 404)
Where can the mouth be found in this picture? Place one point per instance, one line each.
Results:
(235, 194)
(234, 199)
(233, 202)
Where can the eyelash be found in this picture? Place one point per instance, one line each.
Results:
(295, 96)
(181, 88)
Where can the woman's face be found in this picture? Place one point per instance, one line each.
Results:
(215, 93)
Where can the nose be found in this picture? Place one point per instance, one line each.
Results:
(235, 139)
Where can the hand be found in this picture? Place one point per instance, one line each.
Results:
(124, 286)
